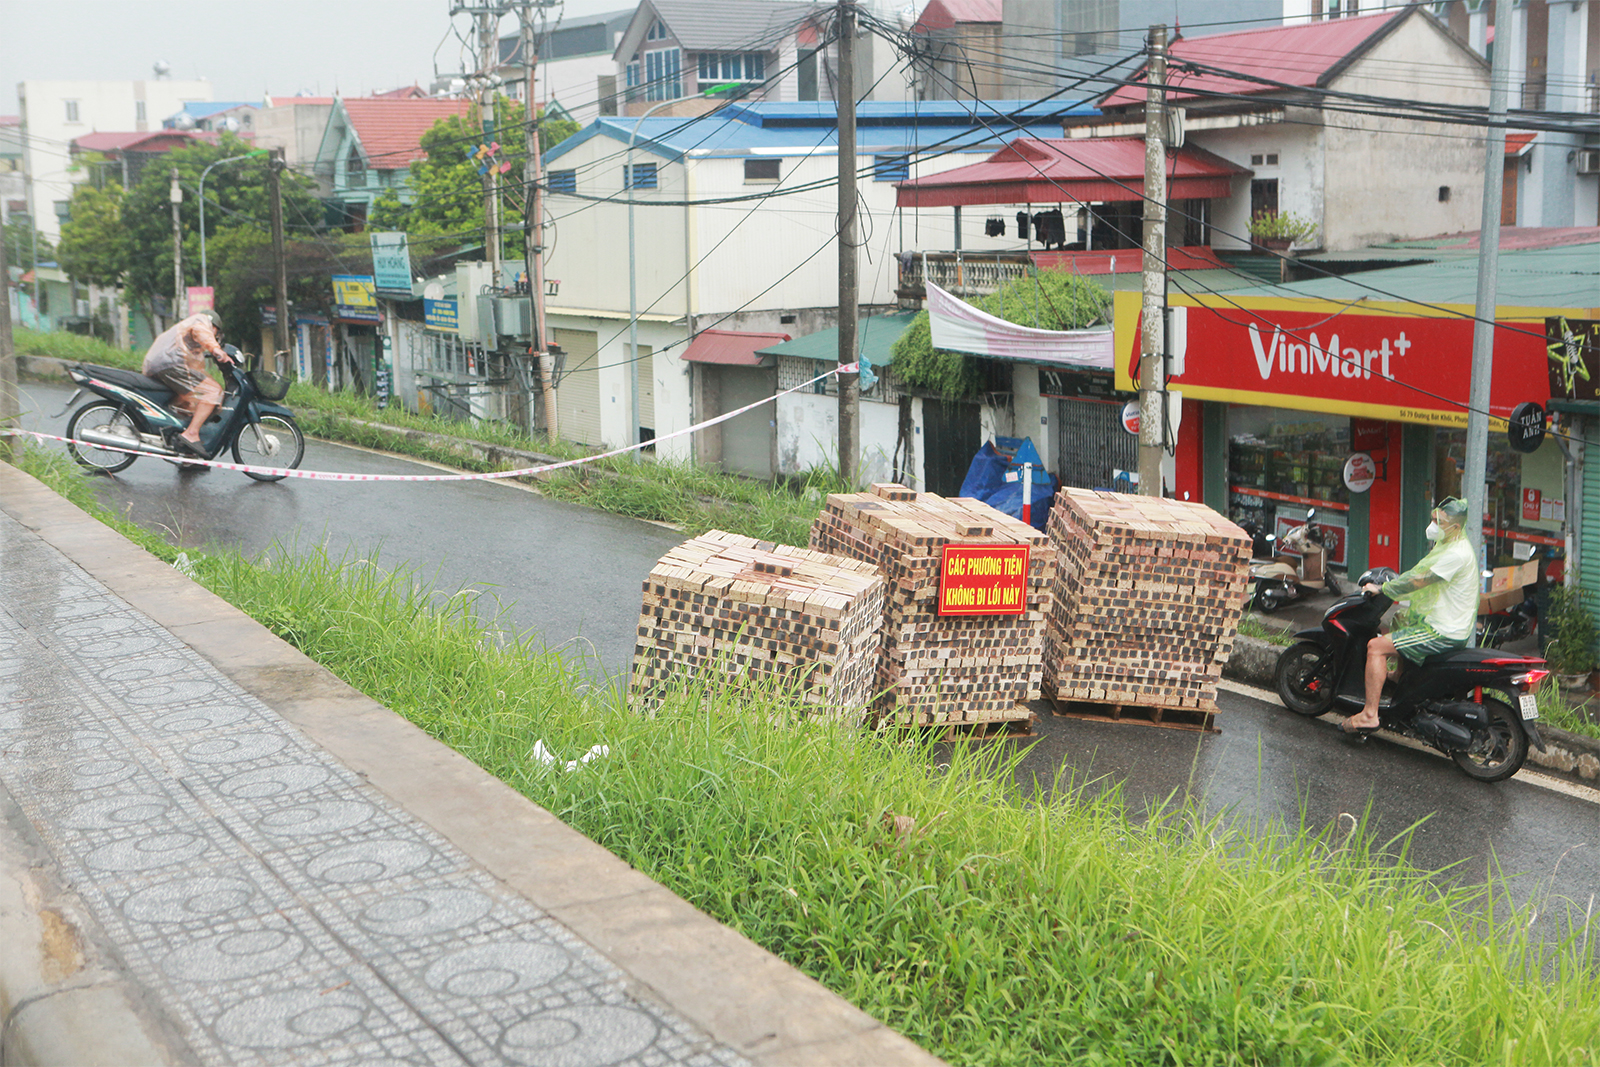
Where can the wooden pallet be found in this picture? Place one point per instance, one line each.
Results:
(987, 730)
(1203, 720)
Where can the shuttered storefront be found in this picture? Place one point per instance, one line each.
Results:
(1588, 532)
(1093, 446)
(578, 392)
(647, 392)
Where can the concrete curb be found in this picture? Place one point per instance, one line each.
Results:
(1567, 755)
(731, 988)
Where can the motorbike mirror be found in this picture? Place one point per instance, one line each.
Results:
(232, 350)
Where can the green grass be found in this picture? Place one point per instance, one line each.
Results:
(1557, 709)
(994, 928)
(62, 345)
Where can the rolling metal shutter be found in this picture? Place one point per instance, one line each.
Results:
(1588, 532)
(578, 392)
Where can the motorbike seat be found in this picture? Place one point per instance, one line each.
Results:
(1465, 657)
(128, 379)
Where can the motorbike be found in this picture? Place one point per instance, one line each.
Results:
(1278, 581)
(129, 411)
(1453, 702)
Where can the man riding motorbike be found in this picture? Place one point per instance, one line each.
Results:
(1443, 589)
(177, 359)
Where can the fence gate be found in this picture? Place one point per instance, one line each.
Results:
(1093, 445)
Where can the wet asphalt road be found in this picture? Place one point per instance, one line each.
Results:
(569, 572)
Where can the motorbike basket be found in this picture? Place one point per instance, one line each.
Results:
(271, 386)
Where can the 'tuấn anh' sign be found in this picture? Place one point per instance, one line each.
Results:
(983, 579)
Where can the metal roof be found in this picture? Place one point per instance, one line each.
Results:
(1051, 171)
(804, 129)
(943, 14)
(1563, 277)
(720, 25)
(875, 337)
(1305, 55)
(730, 348)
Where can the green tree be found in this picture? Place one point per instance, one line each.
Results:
(20, 243)
(1048, 300)
(236, 198)
(445, 190)
(94, 246)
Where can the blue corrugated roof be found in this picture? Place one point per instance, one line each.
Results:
(882, 127)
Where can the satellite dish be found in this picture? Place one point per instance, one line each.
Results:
(433, 291)
(183, 121)
(230, 124)
(162, 68)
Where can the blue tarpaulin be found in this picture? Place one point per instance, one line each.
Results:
(987, 478)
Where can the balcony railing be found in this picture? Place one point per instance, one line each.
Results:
(961, 273)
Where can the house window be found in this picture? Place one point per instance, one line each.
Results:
(639, 176)
(1269, 159)
(633, 81)
(656, 32)
(661, 70)
(355, 169)
(806, 74)
(891, 168)
(563, 181)
(719, 67)
(72, 110)
(1263, 196)
(761, 171)
(138, 111)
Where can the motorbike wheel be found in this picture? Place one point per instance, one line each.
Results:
(110, 415)
(1304, 679)
(1498, 749)
(1267, 601)
(285, 446)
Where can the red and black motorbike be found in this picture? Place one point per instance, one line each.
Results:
(1476, 705)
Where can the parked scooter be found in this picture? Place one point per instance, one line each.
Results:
(1455, 702)
(130, 412)
(1278, 581)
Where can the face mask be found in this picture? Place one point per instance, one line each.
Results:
(1432, 532)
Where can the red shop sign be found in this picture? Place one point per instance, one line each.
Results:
(1394, 361)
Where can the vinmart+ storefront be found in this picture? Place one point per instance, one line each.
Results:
(1358, 409)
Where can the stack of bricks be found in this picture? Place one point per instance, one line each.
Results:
(1147, 600)
(749, 610)
(943, 669)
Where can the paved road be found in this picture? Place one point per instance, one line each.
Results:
(570, 573)
(569, 570)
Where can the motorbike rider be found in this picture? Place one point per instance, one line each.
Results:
(1443, 589)
(177, 359)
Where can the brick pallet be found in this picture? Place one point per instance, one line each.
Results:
(748, 610)
(1147, 602)
(942, 669)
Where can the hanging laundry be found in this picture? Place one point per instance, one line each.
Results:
(994, 227)
(1022, 225)
(1050, 228)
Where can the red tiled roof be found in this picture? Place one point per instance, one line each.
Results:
(140, 141)
(1516, 142)
(391, 130)
(408, 92)
(1041, 170)
(10, 120)
(287, 101)
(730, 348)
(1300, 55)
(942, 14)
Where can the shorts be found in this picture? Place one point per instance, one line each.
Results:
(1419, 641)
(190, 385)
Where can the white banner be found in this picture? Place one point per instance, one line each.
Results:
(960, 327)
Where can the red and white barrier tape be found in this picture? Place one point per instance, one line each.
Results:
(333, 476)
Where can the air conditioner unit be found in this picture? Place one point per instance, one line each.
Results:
(1589, 161)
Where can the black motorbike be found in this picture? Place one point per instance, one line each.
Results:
(130, 412)
(1455, 702)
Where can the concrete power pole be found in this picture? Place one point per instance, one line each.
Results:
(849, 306)
(176, 196)
(10, 404)
(488, 22)
(533, 241)
(1473, 480)
(1152, 324)
(280, 268)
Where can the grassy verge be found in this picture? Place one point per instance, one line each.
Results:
(991, 927)
(62, 345)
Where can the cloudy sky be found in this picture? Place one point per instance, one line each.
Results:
(247, 48)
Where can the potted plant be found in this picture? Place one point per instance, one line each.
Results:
(1573, 634)
(1278, 230)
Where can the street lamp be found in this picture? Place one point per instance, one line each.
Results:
(231, 159)
(633, 286)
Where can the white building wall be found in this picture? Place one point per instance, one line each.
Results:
(808, 435)
(1299, 170)
(102, 107)
(574, 83)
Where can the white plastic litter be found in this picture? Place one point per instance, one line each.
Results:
(543, 755)
(184, 565)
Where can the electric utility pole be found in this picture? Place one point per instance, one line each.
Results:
(280, 269)
(175, 194)
(1152, 325)
(1473, 481)
(533, 239)
(488, 23)
(849, 384)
